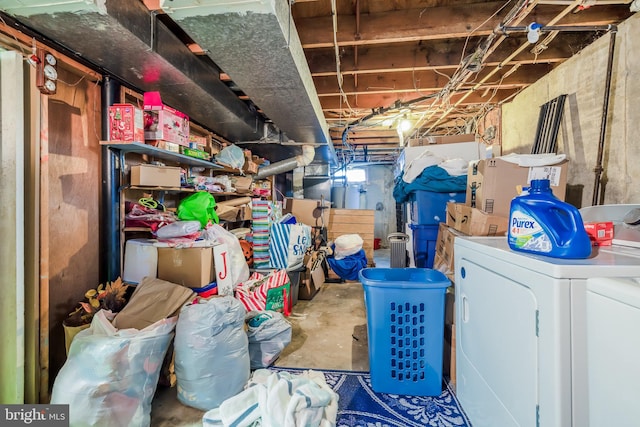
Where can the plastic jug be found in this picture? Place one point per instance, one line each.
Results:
(541, 223)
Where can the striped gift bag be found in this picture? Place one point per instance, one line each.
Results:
(253, 292)
(288, 244)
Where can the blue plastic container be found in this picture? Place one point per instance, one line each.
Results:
(540, 223)
(424, 244)
(405, 326)
(430, 208)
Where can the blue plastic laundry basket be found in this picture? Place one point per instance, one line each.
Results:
(405, 325)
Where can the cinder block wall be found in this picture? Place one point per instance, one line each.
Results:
(582, 78)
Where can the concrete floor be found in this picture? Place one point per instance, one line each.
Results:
(328, 332)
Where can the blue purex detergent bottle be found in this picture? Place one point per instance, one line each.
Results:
(540, 223)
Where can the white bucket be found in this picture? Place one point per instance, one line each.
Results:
(140, 260)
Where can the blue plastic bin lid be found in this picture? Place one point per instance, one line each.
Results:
(413, 278)
(205, 288)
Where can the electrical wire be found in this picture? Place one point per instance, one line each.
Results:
(334, 20)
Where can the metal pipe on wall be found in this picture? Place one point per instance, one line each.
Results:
(110, 197)
(603, 124)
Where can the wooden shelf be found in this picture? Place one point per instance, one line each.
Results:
(156, 188)
(131, 229)
(139, 148)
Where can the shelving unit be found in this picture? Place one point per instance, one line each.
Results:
(129, 153)
(158, 153)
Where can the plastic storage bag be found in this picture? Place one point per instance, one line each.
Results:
(347, 244)
(111, 375)
(178, 229)
(211, 352)
(239, 269)
(232, 156)
(269, 333)
(200, 206)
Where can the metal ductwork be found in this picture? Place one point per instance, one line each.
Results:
(124, 39)
(256, 43)
(308, 153)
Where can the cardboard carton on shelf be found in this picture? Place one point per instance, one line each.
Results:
(162, 122)
(493, 183)
(155, 176)
(440, 139)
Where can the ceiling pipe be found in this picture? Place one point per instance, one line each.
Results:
(304, 159)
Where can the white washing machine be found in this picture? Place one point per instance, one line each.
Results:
(613, 346)
(521, 332)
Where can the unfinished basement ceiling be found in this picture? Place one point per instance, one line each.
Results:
(359, 65)
(450, 55)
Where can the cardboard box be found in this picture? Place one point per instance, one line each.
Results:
(242, 184)
(600, 233)
(164, 145)
(443, 259)
(250, 167)
(190, 267)
(155, 176)
(474, 222)
(194, 152)
(306, 211)
(163, 122)
(440, 139)
(449, 354)
(493, 183)
(313, 278)
(126, 123)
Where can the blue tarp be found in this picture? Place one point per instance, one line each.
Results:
(348, 267)
(433, 178)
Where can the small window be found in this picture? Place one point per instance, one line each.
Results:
(356, 175)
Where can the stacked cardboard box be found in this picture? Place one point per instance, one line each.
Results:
(493, 183)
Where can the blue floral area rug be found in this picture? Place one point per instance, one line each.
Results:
(360, 406)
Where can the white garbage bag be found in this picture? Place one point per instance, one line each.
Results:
(269, 333)
(211, 352)
(111, 375)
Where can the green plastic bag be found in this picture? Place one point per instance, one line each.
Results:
(200, 206)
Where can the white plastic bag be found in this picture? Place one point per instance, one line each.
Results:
(211, 352)
(269, 333)
(347, 244)
(111, 375)
(178, 229)
(239, 269)
(232, 156)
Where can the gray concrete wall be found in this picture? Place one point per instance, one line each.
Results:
(582, 78)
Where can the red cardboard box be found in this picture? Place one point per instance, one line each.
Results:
(600, 233)
(162, 122)
(126, 123)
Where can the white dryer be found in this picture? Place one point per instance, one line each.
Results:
(521, 337)
(613, 346)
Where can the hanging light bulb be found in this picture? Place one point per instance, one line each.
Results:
(404, 125)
